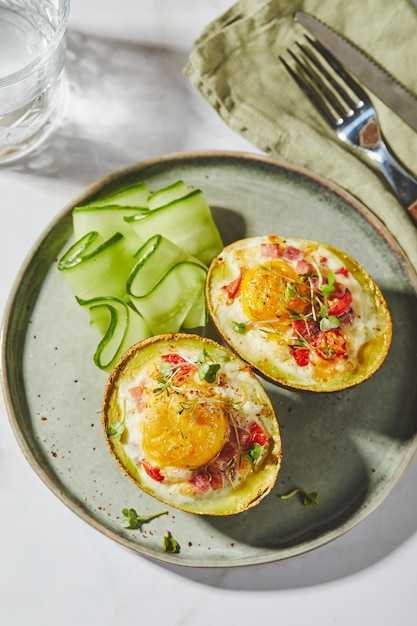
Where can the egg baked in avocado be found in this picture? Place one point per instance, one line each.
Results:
(303, 313)
(192, 425)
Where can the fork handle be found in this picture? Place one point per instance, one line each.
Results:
(401, 181)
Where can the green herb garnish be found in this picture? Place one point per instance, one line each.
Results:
(170, 544)
(208, 372)
(328, 288)
(208, 367)
(308, 497)
(116, 429)
(132, 520)
(254, 454)
(240, 327)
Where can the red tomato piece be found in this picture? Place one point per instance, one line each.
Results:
(173, 358)
(343, 271)
(182, 366)
(152, 471)
(340, 304)
(232, 288)
(301, 356)
(330, 345)
(257, 434)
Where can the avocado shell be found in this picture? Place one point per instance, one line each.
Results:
(370, 356)
(220, 502)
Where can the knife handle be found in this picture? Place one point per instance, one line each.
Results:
(401, 181)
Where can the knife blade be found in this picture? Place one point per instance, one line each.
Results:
(370, 72)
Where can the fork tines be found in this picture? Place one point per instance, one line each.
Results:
(313, 74)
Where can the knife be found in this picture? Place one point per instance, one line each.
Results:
(371, 73)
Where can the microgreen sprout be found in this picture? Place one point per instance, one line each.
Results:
(167, 372)
(328, 288)
(208, 368)
(308, 497)
(192, 404)
(291, 290)
(254, 454)
(208, 372)
(170, 544)
(132, 520)
(327, 323)
(240, 327)
(116, 429)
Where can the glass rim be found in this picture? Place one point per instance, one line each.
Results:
(24, 72)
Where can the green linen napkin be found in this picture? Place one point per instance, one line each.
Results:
(235, 66)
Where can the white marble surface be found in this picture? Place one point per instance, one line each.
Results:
(128, 102)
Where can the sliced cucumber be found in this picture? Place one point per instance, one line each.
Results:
(139, 264)
(197, 316)
(106, 220)
(153, 260)
(119, 325)
(135, 195)
(168, 194)
(168, 304)
(94, 267)
(187, 222)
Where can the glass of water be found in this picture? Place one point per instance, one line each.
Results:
(32, 78)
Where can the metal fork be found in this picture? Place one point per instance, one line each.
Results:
(345, 106)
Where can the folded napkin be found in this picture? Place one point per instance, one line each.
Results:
(235, 66)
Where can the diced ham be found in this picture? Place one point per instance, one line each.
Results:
(244, 438)
(200, 481)
(305, 328)
(270, 250)
(228, 452)
(292, 253)
(137, 394)
(215, 476)
(304, 267)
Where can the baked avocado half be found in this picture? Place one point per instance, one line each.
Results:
(302, 313)
(192, 425)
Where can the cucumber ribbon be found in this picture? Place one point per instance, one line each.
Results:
(141, 270)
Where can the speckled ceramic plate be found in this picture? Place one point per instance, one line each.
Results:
(351, 447)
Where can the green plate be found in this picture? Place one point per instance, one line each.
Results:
(351, 447)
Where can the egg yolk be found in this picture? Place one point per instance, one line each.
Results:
(183, 435)
(268, 290)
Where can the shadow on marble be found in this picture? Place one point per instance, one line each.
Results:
(126, 103)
